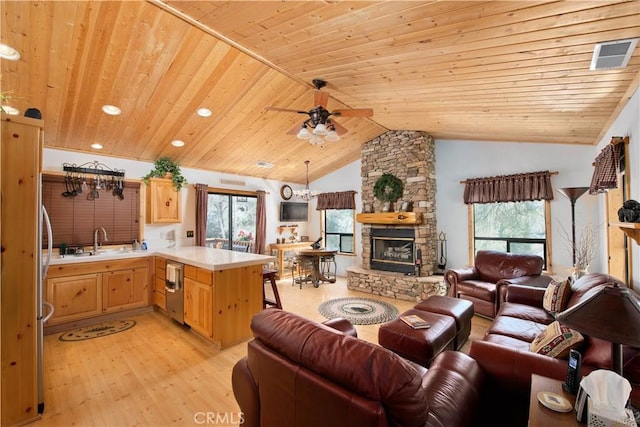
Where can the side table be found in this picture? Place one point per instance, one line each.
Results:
(541, 416)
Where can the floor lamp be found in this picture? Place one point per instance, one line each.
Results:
(573, 194)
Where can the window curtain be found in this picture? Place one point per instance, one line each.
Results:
(261, 223)
(341, 200)
(202, 195)
(509, 188)
(607, 167)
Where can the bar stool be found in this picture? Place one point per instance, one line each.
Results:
(328, 267)
(270, 275)
(301, 271)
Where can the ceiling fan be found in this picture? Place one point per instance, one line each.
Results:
(319, 122)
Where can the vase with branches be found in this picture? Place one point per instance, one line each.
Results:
(584, 247)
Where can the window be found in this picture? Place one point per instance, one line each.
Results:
(231, 221)
(338, 229)
(518, 227)
(74, 218)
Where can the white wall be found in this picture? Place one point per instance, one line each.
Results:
(626, 124)
(346, 178)
(163, 236)
(459, 160)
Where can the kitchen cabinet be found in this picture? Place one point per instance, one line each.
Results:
(219, 304)
(159, 277)
(21, 163)
(75, 297)
(125, 289)
(164, 203)
(198, 299)
(89, 289)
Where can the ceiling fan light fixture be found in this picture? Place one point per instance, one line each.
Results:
(8, 52)
(320, 130)
(304, 133)
(332, 136)
(315, 140)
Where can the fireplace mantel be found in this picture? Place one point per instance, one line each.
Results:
(390, 218)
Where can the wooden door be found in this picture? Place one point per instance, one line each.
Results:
(125, 289)
(618, 244)
(164, 203)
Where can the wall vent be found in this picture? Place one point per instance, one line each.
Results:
(614, 54)
(233, 182)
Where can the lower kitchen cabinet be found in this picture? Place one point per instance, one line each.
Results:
(125, 289)
(198, 298)
(75, 297)
(84, 290)
(159, 292)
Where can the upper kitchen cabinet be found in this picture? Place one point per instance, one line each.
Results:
(164, 203)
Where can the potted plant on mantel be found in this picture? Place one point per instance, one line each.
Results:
(388, 189)
(166, 167)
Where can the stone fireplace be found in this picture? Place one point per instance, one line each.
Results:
(390, 268)
(393, 249)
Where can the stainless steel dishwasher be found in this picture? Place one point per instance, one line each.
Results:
(174, 286)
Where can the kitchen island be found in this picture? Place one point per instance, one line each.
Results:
(222, 288)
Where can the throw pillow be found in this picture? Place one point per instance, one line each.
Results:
(556, 296)
(556, 341)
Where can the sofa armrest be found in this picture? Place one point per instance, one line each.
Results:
(511, 369)
(343, 325)
(453, 276)
(245, 391)
(541, 281)
(527, 295)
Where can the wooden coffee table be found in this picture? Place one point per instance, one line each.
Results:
(541, 416)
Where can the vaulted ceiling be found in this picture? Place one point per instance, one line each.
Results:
(473, 70)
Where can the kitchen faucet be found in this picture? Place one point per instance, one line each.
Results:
(95, 238)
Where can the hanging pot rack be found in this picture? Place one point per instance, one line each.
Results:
(93, 168)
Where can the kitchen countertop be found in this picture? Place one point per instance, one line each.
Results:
(199, 256)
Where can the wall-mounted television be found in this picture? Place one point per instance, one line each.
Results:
(294, 211)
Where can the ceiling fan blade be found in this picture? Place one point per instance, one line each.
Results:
(339, 129)
(320, 98)
(286, 110)
(356, 112)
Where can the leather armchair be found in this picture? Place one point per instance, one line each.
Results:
(301, 373)
(484, 283)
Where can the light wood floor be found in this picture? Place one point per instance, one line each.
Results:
(158, 373)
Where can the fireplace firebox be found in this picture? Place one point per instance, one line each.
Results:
(393, 250)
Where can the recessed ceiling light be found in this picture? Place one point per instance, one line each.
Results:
(204, 112)
(7, 52)
(96, 146)
(177, 143)
(263, 164)
(111, 110)
(10, 110)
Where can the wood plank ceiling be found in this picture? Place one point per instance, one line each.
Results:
(473, 70)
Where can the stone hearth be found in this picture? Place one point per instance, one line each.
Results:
(410, 156)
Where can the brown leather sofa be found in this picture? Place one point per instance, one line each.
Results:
(520, 319)
(301, 373)
(484, 283)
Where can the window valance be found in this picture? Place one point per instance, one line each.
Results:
(607, 167)
(339, 200)
(509, 188)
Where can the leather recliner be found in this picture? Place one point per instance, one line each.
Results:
(301, 373)
(484, 283)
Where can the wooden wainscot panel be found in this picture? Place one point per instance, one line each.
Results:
(390, 218)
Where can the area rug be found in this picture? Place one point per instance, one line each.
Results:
(359, 311)
(98, 330)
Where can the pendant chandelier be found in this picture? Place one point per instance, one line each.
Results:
(306, 194)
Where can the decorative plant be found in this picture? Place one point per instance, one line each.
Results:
(164, 166)
(388, 188)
